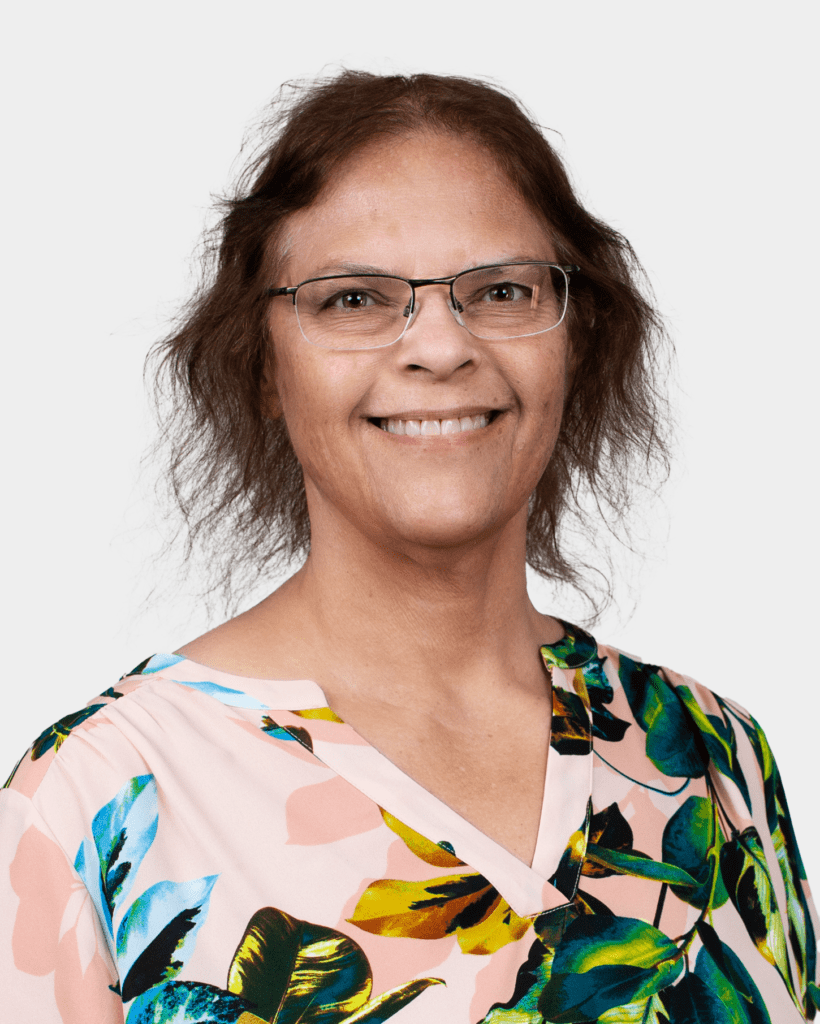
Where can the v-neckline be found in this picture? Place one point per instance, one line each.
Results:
(566, 793)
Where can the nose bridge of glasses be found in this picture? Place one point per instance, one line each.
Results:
(453, 305)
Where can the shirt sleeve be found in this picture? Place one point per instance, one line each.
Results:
(760, 861)
(55, 964)
(797, 908)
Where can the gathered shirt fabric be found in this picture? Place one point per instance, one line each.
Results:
(195, 847)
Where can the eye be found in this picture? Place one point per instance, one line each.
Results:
(506, 291)
(352, 300)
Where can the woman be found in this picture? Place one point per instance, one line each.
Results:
(393, 788)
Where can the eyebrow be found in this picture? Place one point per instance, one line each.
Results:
(351, 268)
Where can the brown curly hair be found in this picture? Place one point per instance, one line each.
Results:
(232, 471)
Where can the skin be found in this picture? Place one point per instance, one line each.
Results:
(411, 610)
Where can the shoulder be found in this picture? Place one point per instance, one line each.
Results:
(692, 731)
(655, 684)
(657, 692)
(32, 769)
(166, 707)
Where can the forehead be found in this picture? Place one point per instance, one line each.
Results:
(417, 206)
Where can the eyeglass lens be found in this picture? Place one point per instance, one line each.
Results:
(494, 303)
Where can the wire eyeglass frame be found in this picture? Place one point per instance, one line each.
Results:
(421, 282)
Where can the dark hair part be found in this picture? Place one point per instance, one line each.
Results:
(233, 473)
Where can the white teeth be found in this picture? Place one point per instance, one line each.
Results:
(431, 428)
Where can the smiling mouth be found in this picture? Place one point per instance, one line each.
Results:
(435, 428)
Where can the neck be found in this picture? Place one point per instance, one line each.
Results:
(438, 623)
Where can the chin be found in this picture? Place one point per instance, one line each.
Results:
(443, 528)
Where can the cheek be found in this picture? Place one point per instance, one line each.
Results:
(545, 381)
(317, 404)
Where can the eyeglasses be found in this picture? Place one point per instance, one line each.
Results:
(363, 311)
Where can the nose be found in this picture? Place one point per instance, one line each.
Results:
(434, 340)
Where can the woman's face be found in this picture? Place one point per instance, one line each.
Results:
(425, 206)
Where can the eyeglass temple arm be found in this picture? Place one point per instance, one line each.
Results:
(272, 292)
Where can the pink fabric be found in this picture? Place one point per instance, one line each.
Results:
(192, 803)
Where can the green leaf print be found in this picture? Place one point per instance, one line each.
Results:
(610, 852)
(522, 1006)
(722, 971)
(551, 925)
(574, 649)
(801, 928)
(293, 971)
(55, 734)
(746, 876)
(718, 737)
(604, 962)
(608, 830)
(692, 1001)
(689, 836)
(639, 865)
(644, 1011)
(605, 725)
(671, 744)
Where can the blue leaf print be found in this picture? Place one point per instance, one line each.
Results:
(87, 866)
(159, 662)
(158, 932)
(122, 831)
(224, 694)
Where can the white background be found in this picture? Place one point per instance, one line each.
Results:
(689, 127)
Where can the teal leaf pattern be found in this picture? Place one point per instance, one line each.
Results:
(604, 962)
(605, 725)
(801, 928)
(718, 738)
(746, 877)
(722, 971)
(672, 745)
(689, 836)
(522, 1006)
(183, 1002)
(692, 1001)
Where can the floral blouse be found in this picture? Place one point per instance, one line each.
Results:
(201, 848)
